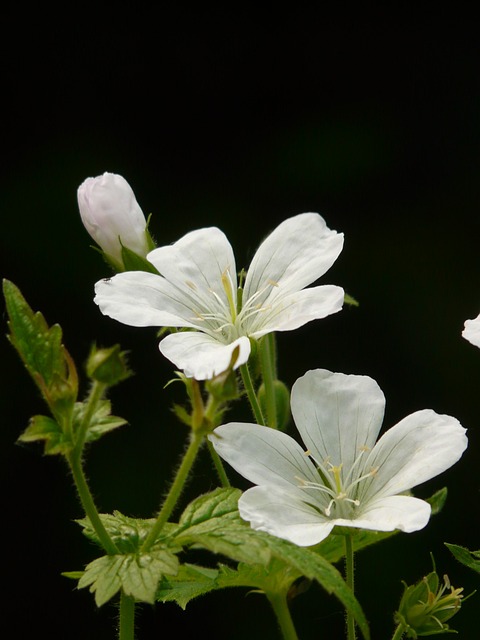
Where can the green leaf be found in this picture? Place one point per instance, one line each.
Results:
(127, 533)
(137, 574)
(100, 423)
(470, 559)
(42, 352)
(190, 582)
(48, 430)
(213, 522)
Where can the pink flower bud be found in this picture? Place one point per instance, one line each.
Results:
(113, 217)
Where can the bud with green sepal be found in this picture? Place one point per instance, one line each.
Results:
(108, 365)
(114, 219)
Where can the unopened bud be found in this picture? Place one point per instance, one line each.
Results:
(113, 217)
(108, 366)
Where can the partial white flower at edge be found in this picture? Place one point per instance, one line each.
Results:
(471, 331)
(342, 477)
(198, 290)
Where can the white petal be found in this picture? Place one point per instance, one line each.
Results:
(394, 512)
(196, 264)
(295, 310)
(471, 332)
(295, 254)
(337, 415)
(142, 299)
(418, 448)
(264, 456)
(200, 356)
(284, 515)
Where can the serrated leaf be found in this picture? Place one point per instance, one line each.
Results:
(41, 350)
(213, 522)
(470, 559)
(101, 422)
(127, 533)
(190, 582)
(43, 428)
(137, 574)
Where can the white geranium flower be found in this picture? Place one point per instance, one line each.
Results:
(343, 478)
(112, 216)
(198, 289)
(471, 331)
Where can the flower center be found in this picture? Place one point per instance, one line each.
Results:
(226, 318)
(339, 491)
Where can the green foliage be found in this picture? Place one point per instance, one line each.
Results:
(42, 352)
(470, 559)
(212, 522)
(132, 570)
(53, 370)
(136, 574)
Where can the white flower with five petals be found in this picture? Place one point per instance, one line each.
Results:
(198, 290)
(342, 478)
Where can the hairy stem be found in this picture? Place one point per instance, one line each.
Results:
(175, 490)
(282, 612)
(350, 573)
(269, 374)
(252, 396)
(126, 629)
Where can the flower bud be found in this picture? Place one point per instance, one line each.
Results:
(113, 217)
(108, 366)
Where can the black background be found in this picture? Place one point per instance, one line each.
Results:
(237, 120)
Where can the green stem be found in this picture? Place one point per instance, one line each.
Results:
(126, 629)
(282, 612)
(175, 489)
(399, 631)
(88, 504)
(350, 572)
(96, 393)
(252, 396)
(224, 481)
(269, 374)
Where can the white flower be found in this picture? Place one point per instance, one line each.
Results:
(198, 289)
(471, 331)
(343, 478)
(112, 216)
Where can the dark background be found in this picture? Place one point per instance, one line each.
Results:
(239, 121)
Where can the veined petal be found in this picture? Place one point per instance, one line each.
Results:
(196, 264)
(142, 299)
(387, 514)
(418, 448)
(337, 415)
(283, 514)
(201, 356)
(264, 456)
(295, 310)
(295, 254)
(471, 331)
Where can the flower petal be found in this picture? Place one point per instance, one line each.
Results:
(264, 456)
(418, 448)
(283, 514)
(337, 415)
(393, 512)
(295, 254)
(196, 264)
(295, 310)
(201, 356)
(471, 331)
(142, 299)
